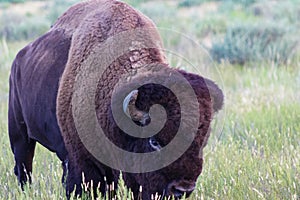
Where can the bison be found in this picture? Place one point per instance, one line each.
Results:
(116, 49)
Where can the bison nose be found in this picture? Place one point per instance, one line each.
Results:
(178, 189)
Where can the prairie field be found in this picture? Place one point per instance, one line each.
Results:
(250, 48)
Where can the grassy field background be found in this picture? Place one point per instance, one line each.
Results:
(250, 48)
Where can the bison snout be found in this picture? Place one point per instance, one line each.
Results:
(179, 188)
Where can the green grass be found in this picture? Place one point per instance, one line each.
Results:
(259, 157)
(256, 157)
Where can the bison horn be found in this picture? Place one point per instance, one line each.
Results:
(131, 111)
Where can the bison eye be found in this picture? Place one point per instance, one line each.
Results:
(154, 144)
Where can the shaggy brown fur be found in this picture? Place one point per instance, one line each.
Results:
(55, 60)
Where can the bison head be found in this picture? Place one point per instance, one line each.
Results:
(153, 102)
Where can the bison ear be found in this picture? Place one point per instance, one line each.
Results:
(216, 95)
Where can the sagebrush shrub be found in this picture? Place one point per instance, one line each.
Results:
(263, 42)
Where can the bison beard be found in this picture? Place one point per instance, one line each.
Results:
(42, 82)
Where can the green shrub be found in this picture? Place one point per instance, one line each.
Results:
(250, 43)
(18, 1)
(12, 1)
(58, 7)
(20, 27)
(135, 3)
(286, 11)
(189, 3)
(242, 2)
(213, 25)
(15, 26)
(160, 12)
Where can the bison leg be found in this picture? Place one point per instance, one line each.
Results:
(23, 157)
(22, 147)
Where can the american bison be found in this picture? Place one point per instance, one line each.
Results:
(50, 84)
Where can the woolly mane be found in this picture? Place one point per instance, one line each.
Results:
(91, 24)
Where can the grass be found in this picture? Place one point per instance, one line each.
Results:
(257, 155)
(261, 159)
